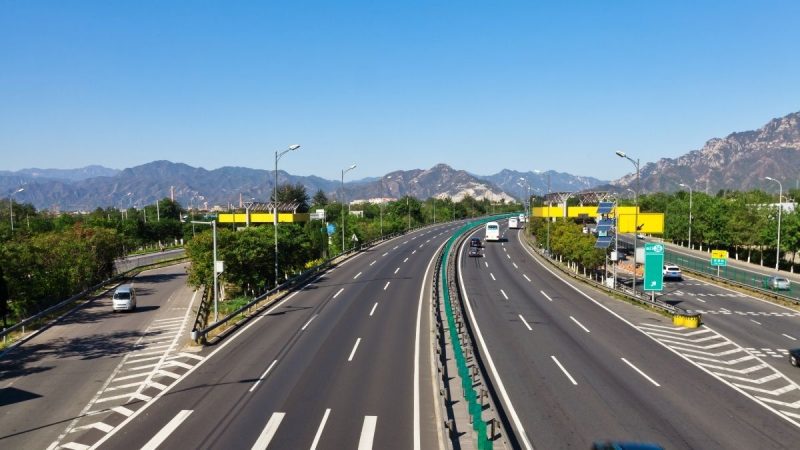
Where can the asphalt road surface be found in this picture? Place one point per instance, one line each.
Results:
(577, 366)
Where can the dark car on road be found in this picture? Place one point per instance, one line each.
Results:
(794, 357)
(474, 251)
(475, 242)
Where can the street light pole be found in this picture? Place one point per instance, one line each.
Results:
(275, 203)
(213, 224)
(780, 208)
(636, 213)
(11, 206)
(344, 219)
(690, 213)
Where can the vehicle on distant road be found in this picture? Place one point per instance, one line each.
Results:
(794, 357)
(474, 252)
(492, 231)
(513, 223)
(672, 272)
(475, 242)
(124, 298)
(777, 283)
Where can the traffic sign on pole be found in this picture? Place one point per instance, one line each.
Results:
(653, 266)
(719, 258)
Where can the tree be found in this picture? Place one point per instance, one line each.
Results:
(294, 193)
(320, 199)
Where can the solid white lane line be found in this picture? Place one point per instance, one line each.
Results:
(263, 375)
(269, 431)
(164, 433)
(373, 309)
(640, 372)
(492, 275)
(319, 430)
(352, 353)
(546, 296)
(525, 322)
(396, 270)
(367, 433)
(789, 337)
(515, 265)
(357, 275)
(405, 259)
(504, 294)
(526, 277)
(579, 324)
(387, 285)
(373, 262)
(338, 292)
(309, 321)
(751, 320)
(564, 370)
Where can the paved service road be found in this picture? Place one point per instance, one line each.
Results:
(578, 366)
(53, 385)
(343, 363)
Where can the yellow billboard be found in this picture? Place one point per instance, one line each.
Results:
(650, 223)
(260, 217)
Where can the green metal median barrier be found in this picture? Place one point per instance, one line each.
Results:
(474, 407)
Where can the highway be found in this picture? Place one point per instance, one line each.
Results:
(578, 366)
(343, 363)
(53, 384)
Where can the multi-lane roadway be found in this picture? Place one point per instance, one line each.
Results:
(577, 367)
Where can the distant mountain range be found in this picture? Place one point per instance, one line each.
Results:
(88, 188)
(739, 161)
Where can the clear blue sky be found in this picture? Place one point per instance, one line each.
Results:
(480, 86)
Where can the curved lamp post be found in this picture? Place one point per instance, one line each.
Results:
(275, 203)
(690, 212)
(344, 219)
(780, 208)
(635, 163)
(11, 206)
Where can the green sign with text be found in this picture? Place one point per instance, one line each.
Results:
(653, 266)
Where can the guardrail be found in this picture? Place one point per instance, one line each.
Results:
(35, 320)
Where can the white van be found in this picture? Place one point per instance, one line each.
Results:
(124, 298)
(513, 222)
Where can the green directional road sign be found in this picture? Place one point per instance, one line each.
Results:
(653, 266)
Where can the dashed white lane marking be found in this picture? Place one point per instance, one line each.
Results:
(640, 372)
(546, 296)
(526, 277)
(309, 321)
(515, 265)
(164, 433)
(269, 431)
(373, 262)
(794, 339)
(414, 251)
(405, 242)
(319, 430)
(396, 270)
(385, 254)
(508, 256)
(420, 245)
(755, 321)
(564, 370)
(263, 375)
(504, 294)
(373, 309)
(505, 250)
(525, 322)
(338, 292)
(353, 352)
(701, 300)
(487, 264)
(405, 259)
(492, 275)
(367, 433)
(579, 324)
(357, 275)
(387, 285)
(395, 247)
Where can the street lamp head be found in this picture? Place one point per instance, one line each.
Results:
(684, 185)
(294, 146)
(770, 179)
(621, 154)
(20, 190)
(352, 167)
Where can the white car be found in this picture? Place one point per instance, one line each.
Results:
(672, 272)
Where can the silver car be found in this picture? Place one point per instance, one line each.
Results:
(779, 284)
